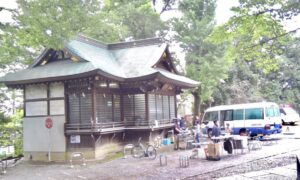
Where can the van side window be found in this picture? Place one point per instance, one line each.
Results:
(277, 112)
(227, 115)
(270, 112)
(211, 116)
(238, 114)
(254, 113)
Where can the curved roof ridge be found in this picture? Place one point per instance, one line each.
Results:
(91, 41)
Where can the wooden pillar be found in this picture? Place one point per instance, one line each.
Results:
(24, 101)
(147, 107)
(48, 98)
(175, 100)
(94, 100)
(112, 106)
(122, 107)
(67, 115)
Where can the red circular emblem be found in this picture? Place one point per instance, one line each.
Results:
(48, 123)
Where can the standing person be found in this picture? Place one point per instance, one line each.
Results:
(176, 134)
(216, 130)
(198, 131)
(182, 122)
(197, 119)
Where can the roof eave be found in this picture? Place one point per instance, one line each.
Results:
(182, 84)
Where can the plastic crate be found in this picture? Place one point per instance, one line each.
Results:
(166, 141)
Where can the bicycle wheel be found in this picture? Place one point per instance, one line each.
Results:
(151, 152)
(137, 152)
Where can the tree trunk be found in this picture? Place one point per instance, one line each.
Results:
(197, 102)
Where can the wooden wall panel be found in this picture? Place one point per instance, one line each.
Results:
(86, 108)
(104, 108)
(74, 112)
(166, 107)
(117, 108)
(172, 107)
(152, 107)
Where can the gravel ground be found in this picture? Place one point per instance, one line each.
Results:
(268, 157)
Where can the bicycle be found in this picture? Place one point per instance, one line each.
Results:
(140, 150)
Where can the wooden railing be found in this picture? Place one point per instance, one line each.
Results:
(95, 126)
(98, 127)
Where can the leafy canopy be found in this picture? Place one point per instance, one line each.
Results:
(256, 33)
(42, 23)
(204, 60)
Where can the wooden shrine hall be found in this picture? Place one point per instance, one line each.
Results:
(96, 94)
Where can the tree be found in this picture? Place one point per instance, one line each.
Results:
(11, 131)
(243, 85)
(287, 79)
(42, 23)
(126, 19)
(204, 60)
(256, 32)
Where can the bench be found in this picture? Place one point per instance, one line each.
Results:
(4, 163)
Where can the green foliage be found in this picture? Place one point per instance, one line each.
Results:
(204, 60)
(137, 17)
(42, 23)
(11, 131)
(255, 32)
(51, 23)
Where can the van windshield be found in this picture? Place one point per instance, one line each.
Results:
(211, 116)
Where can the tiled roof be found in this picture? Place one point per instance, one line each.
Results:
(118, 61)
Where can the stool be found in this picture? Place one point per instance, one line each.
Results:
(189, 144)
(161, 158)
(195, 153)
(254, 145)
(78, 156)
(184, 161)
(196, 145)
(127, 147)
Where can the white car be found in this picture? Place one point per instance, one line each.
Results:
(289, 115)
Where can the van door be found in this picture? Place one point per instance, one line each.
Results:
(254, 119)
(272, 115)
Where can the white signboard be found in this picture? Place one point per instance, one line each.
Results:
(74, 139)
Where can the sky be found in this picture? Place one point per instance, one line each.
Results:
(223, 12)
(5, 16)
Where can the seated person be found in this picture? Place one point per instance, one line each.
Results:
(243, 132)
(228, 129)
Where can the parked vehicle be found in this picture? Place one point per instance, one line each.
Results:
(257, 118)
(289, 115)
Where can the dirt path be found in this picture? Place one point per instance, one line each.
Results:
(130, 168)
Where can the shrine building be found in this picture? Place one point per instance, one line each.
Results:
(94, 94)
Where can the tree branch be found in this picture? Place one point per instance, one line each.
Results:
(7, 9)
(273, 38)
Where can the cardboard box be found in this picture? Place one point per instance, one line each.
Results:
(213, 151)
